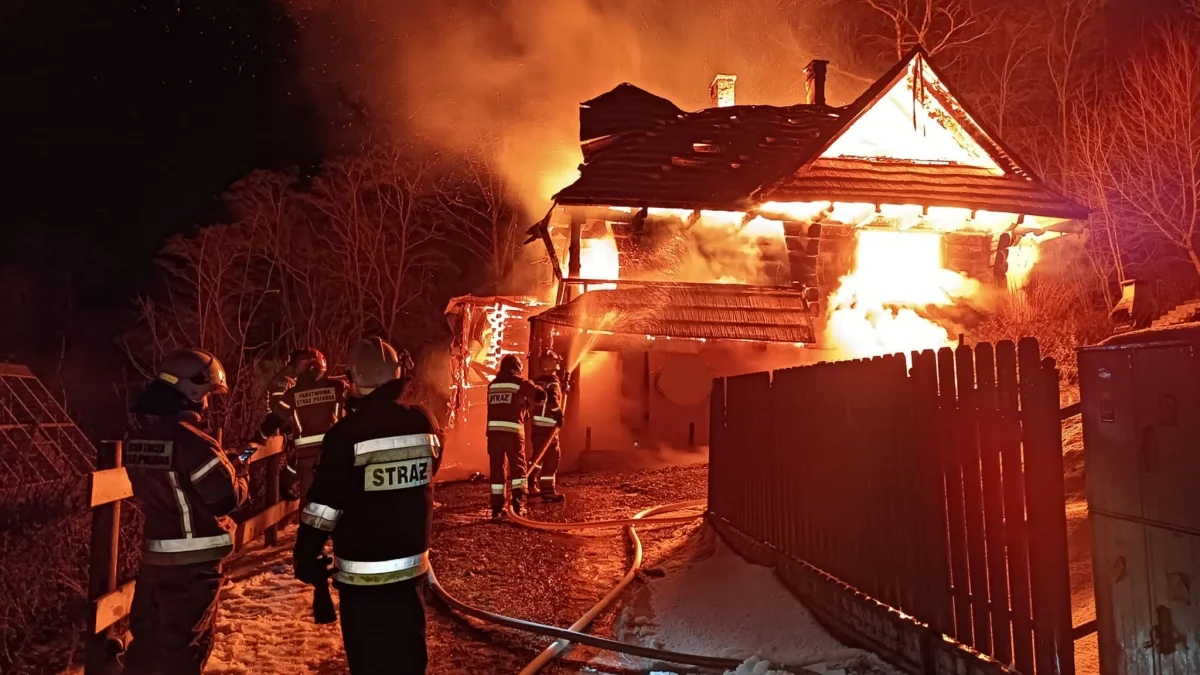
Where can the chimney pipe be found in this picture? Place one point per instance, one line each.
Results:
(815, 81)
(721, 90)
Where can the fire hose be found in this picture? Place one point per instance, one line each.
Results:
(566, 636)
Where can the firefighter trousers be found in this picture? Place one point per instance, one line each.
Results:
(172, 617)
(383, 628)
(543, 475)
(506, 449)
(306, 466)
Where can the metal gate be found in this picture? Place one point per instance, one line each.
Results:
(1140, 396)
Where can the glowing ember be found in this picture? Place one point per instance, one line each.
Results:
(875, 311)
(598, 259)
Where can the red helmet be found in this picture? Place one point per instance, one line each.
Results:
(307, 360)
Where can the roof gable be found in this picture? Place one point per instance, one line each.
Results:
(907, 123)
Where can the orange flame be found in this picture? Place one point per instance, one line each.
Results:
(875, 309)
(598, 259)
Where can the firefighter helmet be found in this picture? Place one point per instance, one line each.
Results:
(549, 362)
(194, 373)
(307, 360)
(511, 365)
(372, 363)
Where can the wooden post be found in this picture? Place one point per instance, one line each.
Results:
(272, 494)
(102, 572)
(574, 263)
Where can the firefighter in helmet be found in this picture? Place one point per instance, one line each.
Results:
(373, 495)
(186, 487)
(305, 410)
(510, 401)
(547, 422)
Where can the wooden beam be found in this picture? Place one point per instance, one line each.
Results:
(110, 485)
(114, 606)
(254, 528)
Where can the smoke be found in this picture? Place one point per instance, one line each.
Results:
(718, 252)
(505, 77)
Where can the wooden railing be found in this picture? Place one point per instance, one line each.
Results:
(933, 493)
(110, 485)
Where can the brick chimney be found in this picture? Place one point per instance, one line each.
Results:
(721, 90)
(815, 81)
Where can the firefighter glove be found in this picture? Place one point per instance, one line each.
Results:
(289, 483)
(312, 565)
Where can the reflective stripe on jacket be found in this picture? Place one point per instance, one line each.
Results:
(372, 490)
(185, 486)
(510, 399)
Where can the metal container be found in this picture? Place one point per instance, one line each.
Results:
(1140, 396)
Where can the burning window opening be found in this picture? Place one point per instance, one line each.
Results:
(879, 307)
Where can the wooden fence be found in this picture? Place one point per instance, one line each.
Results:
(937, 491)
(110, 485)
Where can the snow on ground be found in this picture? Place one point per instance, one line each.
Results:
(266, 626)
(707, 600)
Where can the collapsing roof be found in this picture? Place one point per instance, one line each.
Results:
(905, 140)
(689, 311)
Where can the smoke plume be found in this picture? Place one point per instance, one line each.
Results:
(505, 77)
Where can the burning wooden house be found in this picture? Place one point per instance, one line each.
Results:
(743, 237)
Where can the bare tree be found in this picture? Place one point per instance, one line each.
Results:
(1073, 54)
(1146, 151)
(945, 27)
(375, 244)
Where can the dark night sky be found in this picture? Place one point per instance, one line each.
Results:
(124, 121)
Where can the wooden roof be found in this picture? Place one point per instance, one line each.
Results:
(708, 311)
(641, 150)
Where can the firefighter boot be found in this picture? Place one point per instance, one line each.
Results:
(497, 501)
(534, 488)
(548, 491)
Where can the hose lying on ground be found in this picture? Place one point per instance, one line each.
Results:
(574, 635)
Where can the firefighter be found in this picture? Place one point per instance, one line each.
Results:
(373, 494)
(186, 487)
(315, 403)
(510, 400)
(547, 423)
(302, 404)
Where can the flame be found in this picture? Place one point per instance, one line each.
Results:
(682, 214)
(875, 310)
(1024, 256)
(764, 228)
(598, 259)
(897, 216)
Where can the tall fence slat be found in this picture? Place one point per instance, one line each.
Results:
(1013, 477)
(935, 585)
(1045, 502)
(968, 457)
(993, 500)
(935, 490)
(947, 424)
